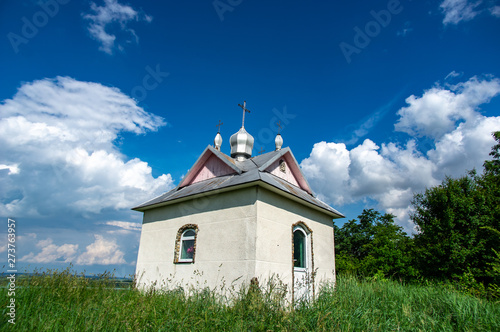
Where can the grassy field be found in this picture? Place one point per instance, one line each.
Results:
(64, 302)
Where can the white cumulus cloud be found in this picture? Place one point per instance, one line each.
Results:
(439, 109)
(57, 141)
(390, 174)
(51, 253)
(464, 148)
(330, 163)
(112, 16)
(101, 251)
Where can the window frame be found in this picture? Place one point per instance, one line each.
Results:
(180, 239)
(184, 238)
(305, 268)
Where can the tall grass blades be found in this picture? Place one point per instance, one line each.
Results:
(62, 301)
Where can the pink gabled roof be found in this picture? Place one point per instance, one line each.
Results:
(210, 164)
(214, 171)
(291, 162)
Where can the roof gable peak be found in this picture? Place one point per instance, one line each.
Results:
(291, 171)
(212, 163)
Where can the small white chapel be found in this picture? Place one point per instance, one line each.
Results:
(235, 218)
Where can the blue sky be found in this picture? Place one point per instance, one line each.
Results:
(106, 104)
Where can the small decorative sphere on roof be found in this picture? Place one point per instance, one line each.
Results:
(218, 141)
(279, 142)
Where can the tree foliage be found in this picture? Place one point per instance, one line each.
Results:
(458, 235)
(452, 219)
(374, 244)
(492, 167)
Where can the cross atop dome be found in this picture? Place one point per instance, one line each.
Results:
(242, 142)
(218, 126)
(244, 107)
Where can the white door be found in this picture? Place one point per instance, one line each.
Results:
(301, 264)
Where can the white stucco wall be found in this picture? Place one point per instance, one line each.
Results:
(242, 234)
(275, 217)
(225, 247)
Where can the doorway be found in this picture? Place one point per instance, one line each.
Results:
(302, 263)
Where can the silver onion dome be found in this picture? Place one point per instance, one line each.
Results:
(241, 144)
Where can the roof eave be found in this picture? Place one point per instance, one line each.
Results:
(273, 159)
(195, 196)
(241, 186)
(300, 200)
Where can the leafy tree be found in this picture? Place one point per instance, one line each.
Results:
(390, 250)
(373, 245)
(352, 239)
(490, 180)
(451, 217)
(494, 287)
(492, 167)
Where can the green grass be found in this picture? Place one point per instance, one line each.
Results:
(64, 302)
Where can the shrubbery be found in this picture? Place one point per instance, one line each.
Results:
(457, 242)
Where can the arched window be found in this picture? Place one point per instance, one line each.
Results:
(185, 246)
(299, 248)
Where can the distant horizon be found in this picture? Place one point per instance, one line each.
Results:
(90, 276)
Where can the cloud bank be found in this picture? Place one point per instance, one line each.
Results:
(389, 174)
(58, 155)
(102, 252)
(60, 167)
